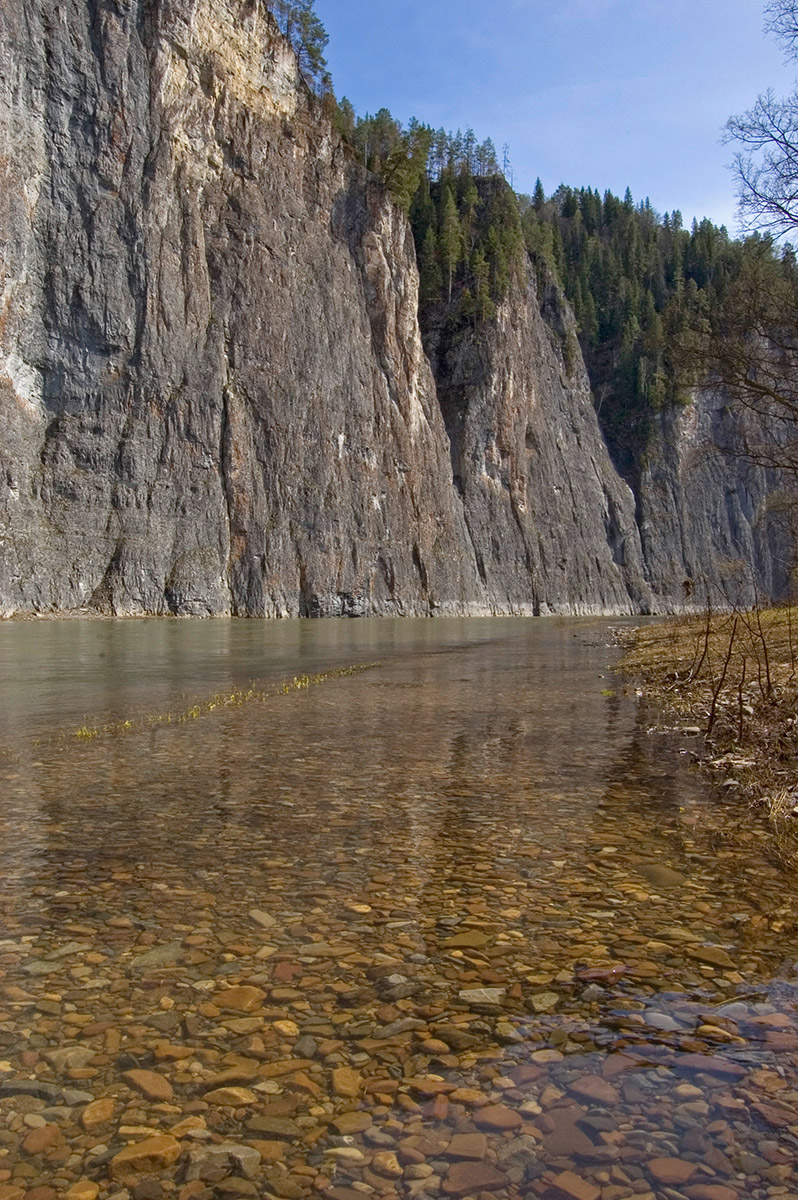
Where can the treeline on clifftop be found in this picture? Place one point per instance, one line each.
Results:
(643, 288)
(649, 296)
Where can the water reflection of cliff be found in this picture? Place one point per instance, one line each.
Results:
(492, 761)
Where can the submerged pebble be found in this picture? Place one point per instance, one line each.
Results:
(495, 945)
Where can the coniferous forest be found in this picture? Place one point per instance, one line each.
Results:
(642, 287)
(647, 293)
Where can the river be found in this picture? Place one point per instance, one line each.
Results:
(389, 908)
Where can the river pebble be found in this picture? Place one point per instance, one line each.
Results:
(530, 965)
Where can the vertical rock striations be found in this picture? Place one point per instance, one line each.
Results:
(551, 523)
(213, 387)
(712, 522)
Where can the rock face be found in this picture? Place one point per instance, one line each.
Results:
(213, 387)
(547, 515)
(214, 393)
(709, 519)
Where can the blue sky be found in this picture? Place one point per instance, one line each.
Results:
(606, 93)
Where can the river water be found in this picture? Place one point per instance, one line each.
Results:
(379, 908)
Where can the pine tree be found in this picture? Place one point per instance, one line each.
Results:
(450, 237)
(430, 274)
(299, 23)
(480, 274)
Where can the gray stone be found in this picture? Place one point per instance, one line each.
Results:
(213, 1163)
(306, 1047)
(489, 996)
(405, 1025)
(159, 956)
(30, 1087)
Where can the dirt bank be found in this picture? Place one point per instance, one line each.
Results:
(730, 680)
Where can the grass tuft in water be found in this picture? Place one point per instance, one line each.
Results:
(218, 702)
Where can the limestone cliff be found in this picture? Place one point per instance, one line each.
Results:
(212, 382)
(213, 387)
(712, 522)
(547, 515)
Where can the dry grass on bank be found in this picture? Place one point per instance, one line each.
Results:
(731, 679)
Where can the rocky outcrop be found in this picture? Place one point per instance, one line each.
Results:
(213, 388)
(548, 517)
(214, 392)
(714, 523)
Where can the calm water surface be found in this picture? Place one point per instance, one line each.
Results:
(454, 924)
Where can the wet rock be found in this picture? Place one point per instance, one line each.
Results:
(487, 996)
(263, 919)
(569, 1186)
(497, 1117)
(346, 1082)
(594, 1090)
(231, 1097)
(151, 1154)
(84, 1189)
(39, 1140)
(354, 1122)
(159, 956)
(386, 1163)
(213, 1163)
(661, 876)
(672, 1171)
(471, 1146)
(470, 939)
(150, 1084)
(710, 1191)
(465, 1178)
(29, 1087)
(713, 955)
(275, 1127)
(240, 999)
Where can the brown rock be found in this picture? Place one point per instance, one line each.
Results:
(712, 1064)
(240, 999)
(472, 939)
(39, 1140)
(9, 1192)
(472, 1146)
(98, 1113)
(150, 1084)
(84, 1189)
(169, 1051)
(241, 1073)
(470, 1096)
(153, 1154)
(711, 1191)
(594, 1090)
(354, 1122)
(346, 1082)
(671, 1170)
(567, 1140)
(779, 1118)
(713, 955)
(387, 1164)
(778, 1040)
(497, 1117)
(465, 1178)
(270, 1152)
(230, 1097)
(426, 1086)
(569, 1186)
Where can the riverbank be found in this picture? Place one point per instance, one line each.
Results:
(730, 680)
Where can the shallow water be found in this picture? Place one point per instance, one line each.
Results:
(481, 807)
